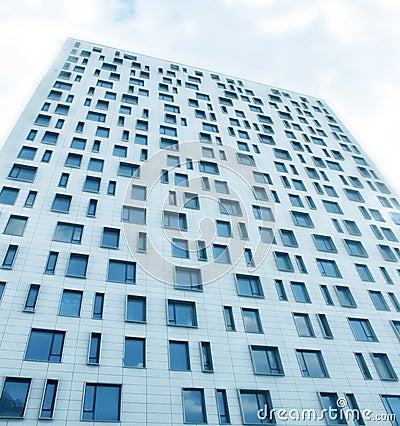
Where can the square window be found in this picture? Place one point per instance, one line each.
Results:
(102, 402)
(77, 265)
(311, 363)
(110, 238)
(45, 345)
(120, 271)
(8, 195)
(182, 313)
(70, 305)
(251, 320)
(251, 402)
(61, 203)
(266, 360)
(249, 285)
(16, 225)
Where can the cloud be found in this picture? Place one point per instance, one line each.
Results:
(344, 52)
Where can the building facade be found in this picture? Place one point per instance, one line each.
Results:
(183, 247)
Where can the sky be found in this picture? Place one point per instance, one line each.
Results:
(345, 52)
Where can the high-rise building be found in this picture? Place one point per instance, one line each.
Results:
(183, 247)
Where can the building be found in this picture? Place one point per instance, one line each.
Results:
(180, 246)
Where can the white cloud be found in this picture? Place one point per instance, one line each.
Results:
(342, 51)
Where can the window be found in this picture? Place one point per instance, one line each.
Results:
(329, 403)
(92, 184)
(378, 300)
(362, 330)
(98, 306)
(110, 238)
(383, 366)
(68, 233)
(324, 243)
(136, 309)
(325, 328)
(387, 253)
(187, 278)
(63, 180)
(352, 227)
(230, 207)
(208, 167)
(45, 345)
(96, 165)
(120, 271)
(180, 248)
(295, 200)
(251, 320)
(364, 272)
(221, 253)
(8, 195)
(135, 215)
(27, 153)
(77, 265)
(10, 256)
(229, 319)
(102, 402)
(92, 207)
(302, 219)
(311, 363)
(31, 298)
(223, 409)
(363, 366)
(191, 201)
(355, 248)
(288, 238)
(181, 179)
(23, 173)
(263, 213)
(328, 268)
(70, 305)
(249, 285)
(179, 359)
(283, 261)
(182, 313)
(332, 207)
(94, 348)
(2, 288)
(61, 203)
(194, 408)
(300, 292)
(392, 406)
(221, 187)
(16, 225)
(73, 160)
(303, 325)
(138, 193)
(14, 397)
(266, 360)
(345, 297)
(49, 399)
(251, 402)
(175, 220)
(135, 352)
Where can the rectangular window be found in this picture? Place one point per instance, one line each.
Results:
(9, 257)
(188, 278)
(302, 219)
(303, 325)
(135, 352)
(355, 248)
(61, 203)
(362, 330)
(175, 220)
(23, 173)
(206, 357)
(92, 207)
(48, 400)
(249, 285)
(221, 253)
(92, 184)
(251, 401)
(345, 297)
(324, 243)
(110, 238)
(2, 288)
(266, 360)
(68, 233)
(179, 359)
(45, 345)
(364, 273)
(263, 213)
(102, 402)
(70, 305)
(180, 248)
(77, 265)
(229, 319)
(251, 320)
(383, 366)
(98, 306)
(135, 215)
(230, 207)
(31, 298)
(182, 313)
(120, 271)
(362, 365)
(378, 300)
(8, 195)
(136, 309)
(14, 397)
(329, 403)
(223, 408)
(94, 348)
(392, 406)
(311, 363)
(328, 268)
(194, 408)
(16, 225)
(300, 292)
